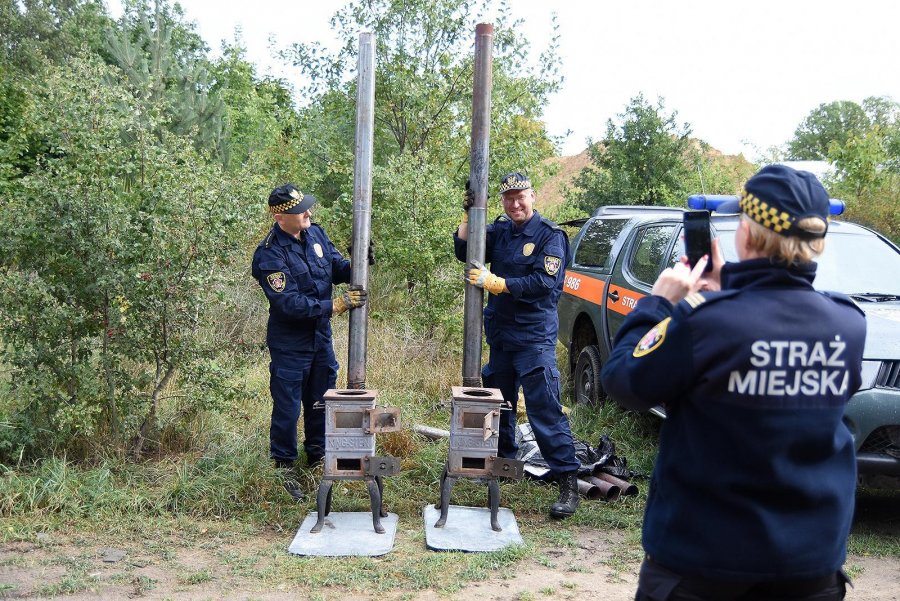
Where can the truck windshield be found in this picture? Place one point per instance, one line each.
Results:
(851, 263)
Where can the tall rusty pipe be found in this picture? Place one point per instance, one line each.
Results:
(478, 178)
(362, 206)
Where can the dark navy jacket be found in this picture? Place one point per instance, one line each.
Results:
(297, 277)
(756, 472)
(532, 260)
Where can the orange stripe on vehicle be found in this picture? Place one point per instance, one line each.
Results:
(583, 286)
(627, 299)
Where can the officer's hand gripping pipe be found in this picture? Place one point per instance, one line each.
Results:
(480, 276)
(350, 299)
(468, 201)
(370, 256)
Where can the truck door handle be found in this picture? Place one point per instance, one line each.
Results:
(614, 295)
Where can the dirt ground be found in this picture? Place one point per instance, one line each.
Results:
(584, 570)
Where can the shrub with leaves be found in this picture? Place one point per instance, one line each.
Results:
(114, 248)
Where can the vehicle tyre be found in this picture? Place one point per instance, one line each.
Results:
(587, 377)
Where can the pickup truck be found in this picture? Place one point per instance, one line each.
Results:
(620, 250)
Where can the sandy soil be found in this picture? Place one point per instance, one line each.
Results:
(583, 571)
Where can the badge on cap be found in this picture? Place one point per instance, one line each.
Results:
(528, 249)
(653, 339)
(552, 264)
(276, 281)
(318, 248)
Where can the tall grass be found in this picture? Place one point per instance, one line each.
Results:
(223, 470)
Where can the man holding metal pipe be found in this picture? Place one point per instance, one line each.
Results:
(752, 493)
(297, 266)
(527, 255)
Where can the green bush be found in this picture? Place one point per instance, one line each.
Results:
(117, 245)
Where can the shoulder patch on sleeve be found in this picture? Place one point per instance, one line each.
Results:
(552, 264)
(842, 298)
(276, 281)
(653, 339)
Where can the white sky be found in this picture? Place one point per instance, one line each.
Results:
(743, 74)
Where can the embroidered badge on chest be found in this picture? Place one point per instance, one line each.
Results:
(552, 264)
(318, 248)
(528, 249)
(276, 281)
(653, 339)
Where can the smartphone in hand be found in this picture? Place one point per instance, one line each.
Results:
(697, 240)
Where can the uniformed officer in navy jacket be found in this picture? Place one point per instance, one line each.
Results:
(297, 266)
(753, 489)
(527, 255)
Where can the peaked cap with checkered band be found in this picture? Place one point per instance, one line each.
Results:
(514, 181)
(289, 200)
(778, 197)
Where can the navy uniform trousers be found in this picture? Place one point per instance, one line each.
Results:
(300, 377)
(535, 370)
(297, 276)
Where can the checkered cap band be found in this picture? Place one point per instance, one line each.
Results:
(768, 216)
(284, 206)
(296, 198)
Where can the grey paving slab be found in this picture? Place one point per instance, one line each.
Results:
(469, 529)
(345, 534)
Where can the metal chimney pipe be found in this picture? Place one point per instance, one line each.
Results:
(362, 206)
(478, 178)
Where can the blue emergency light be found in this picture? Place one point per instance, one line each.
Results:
(711, 202)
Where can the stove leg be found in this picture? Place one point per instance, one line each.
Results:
(380, 481)
(323, 498)
(441, 489)
(446, 487)
(375, 500)
(494, 502)
(328, 500)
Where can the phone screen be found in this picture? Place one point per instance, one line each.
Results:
(696, 237)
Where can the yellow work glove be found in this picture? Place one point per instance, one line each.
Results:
(351, 299)
(480, 276)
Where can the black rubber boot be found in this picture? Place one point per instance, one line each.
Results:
(289, 479)
(568, 496)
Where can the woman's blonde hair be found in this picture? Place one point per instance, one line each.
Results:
(792, 250)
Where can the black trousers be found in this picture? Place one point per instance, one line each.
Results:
(657, 583)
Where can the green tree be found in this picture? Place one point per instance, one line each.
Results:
(116, 246)
(832, 122)
(423, 82)
(32, 31)
(641, 160)
(166, 61)
(259, 116)
(863, 144)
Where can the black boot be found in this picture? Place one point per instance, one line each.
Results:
(289, 479)
(314, 459)
(568, 496)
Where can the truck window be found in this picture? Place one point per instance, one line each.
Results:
(594, 248)
(646, 260)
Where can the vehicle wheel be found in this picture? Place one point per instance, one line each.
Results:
(587, 377)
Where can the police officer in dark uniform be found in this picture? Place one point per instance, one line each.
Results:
(753, 490)
(527, 255)
(297, 266)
